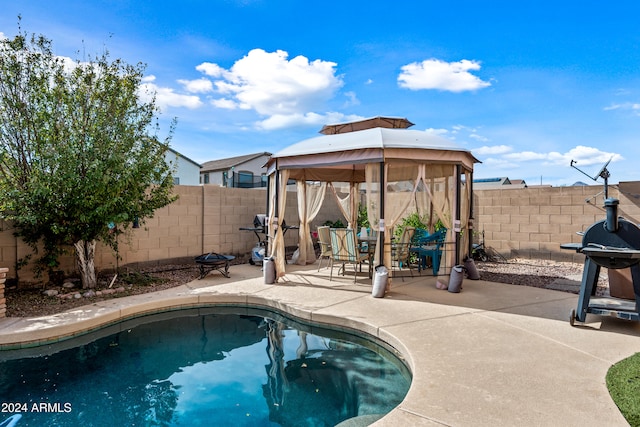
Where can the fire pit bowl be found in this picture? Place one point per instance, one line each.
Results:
(213, 261)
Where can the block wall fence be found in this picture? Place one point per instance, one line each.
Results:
(534, 222)
(529, 222)
(204, 219)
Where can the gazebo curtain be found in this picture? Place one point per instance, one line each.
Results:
(372, 193)
(430, 188)
(347, 202)
(465, 214)
(440, 188)
(310, 198)
(401, 182)
(275, 220)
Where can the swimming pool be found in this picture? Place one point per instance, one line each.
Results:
(202, 367)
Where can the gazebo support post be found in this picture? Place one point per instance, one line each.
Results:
(270, 206)
(456, 222)
(381, 227)
(470, 227)
(267, 212)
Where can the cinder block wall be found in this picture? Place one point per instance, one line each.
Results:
(203, 219)
(534, 222)
(530, 223)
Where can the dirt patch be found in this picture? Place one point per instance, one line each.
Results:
(32, 302)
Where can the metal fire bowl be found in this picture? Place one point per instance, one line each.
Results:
(615, 250)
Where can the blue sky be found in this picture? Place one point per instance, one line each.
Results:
(526, 86)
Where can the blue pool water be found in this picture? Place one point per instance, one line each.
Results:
(186, 368)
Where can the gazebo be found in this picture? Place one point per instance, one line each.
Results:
(390, 168)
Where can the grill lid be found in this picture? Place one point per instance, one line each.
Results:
(619, 249)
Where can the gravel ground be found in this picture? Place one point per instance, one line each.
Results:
(32, 302)
(537, 273)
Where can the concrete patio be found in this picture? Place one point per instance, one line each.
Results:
(494, 354)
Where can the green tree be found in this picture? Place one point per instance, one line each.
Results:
(79, 156)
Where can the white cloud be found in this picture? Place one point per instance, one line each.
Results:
(526, 156)
(440, 75)
(585, 156)
(281, 121)
(634, 107)
(580, 154)
(492, 150)
(166, 97)
(352, 99)
(273, 85)
(197, 86)
(496, 163)
(478, 137)
(225, 103)
(440, 132)
(211, 70)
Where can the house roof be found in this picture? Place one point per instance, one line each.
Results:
(499, 182)
(184, 157)
(224, 164)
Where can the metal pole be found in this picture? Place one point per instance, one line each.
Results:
(471, 214)
(456, 226)
(381, 222)
(275, 204)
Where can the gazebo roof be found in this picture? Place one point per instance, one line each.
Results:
(371, 145)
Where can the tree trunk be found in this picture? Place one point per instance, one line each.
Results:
(85, 255)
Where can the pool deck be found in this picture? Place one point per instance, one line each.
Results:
(493, 354)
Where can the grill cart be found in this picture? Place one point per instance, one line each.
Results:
(260, 230)
(612, 243)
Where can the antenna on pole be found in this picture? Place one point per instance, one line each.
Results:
(602, 173)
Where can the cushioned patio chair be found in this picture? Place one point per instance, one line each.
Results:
(324, 239)
(344, 250)
(429, 246)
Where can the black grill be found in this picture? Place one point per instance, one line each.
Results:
(260, 221)
(611, 243)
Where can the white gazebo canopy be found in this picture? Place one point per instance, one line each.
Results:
(416, 168)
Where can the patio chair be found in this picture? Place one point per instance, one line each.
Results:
(344, 250)
(429, 246)
(400, 250)
(324, 239)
